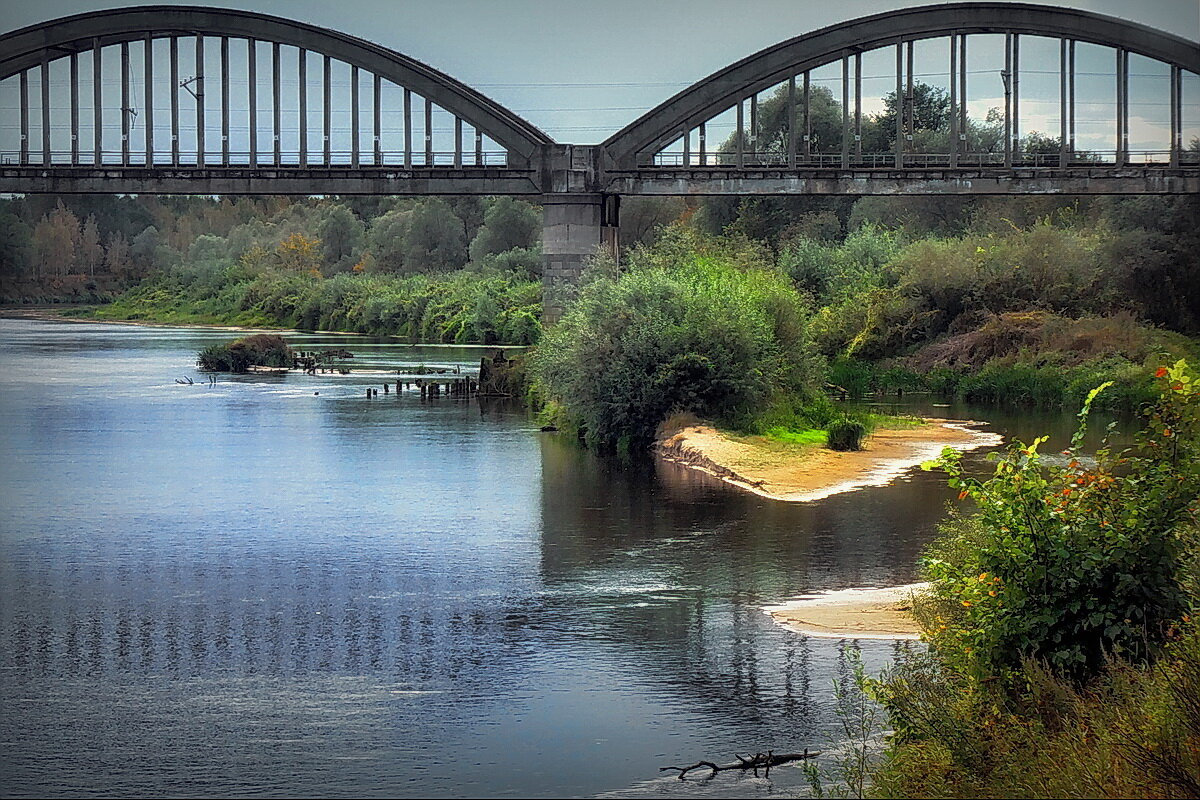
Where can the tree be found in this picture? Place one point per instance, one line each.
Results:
(116, 254)
(299, 253)
(930, 106)
(341, 233)
(16, 244)
(91, 253)
(144, 249)
(507, 223)
(54, 241)
(435, 241)
(386, 239)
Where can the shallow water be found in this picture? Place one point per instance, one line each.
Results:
(255, 589)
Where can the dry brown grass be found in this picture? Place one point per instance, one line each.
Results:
(1065, 341)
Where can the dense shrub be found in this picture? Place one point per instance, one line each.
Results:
(257, 350)
(1063, 661)
(846, 434)
(1072, 565)
(495, 307)
(692, 325)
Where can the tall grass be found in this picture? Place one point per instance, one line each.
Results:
(456, 307)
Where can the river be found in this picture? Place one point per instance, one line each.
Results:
(277, 586)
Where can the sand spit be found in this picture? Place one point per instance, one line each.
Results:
(852, 613)
(801, 475)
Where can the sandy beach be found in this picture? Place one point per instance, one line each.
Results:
(852, 613)
(801, 474)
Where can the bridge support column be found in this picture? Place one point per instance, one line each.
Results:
(574, 229)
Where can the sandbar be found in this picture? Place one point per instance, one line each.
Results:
(853, 613)
(800, 474)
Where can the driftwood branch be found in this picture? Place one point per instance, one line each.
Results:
(765, 760)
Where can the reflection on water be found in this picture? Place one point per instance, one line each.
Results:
(254, 588)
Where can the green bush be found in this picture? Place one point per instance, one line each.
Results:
(1072, 565)
(257, 350)
(692, 325)
(492, 307)
(846, 434)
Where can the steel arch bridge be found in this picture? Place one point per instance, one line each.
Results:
(754, 127)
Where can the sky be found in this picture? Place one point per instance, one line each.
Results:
(582, 69)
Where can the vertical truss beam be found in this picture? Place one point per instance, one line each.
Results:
(355, 132)
(225, 101)
(276, 113)
(1176, 114)
(24, 83)
(252, 97)
(174, 72)
(200, 100)
(327, 110)
(74, 107)
(458, 142)
(858, 107)
(148, 91)
(408, 137)
(807, 116)
(1016, 96)
(45, 86)
(97, 104)
(791, 123)
(740, 140)
(377, 119)
(126, 108)
(954, 101)
(302, 68)
(1062, 103)
(900, 104)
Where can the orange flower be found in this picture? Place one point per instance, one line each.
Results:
(1162, 371)
(962, 494)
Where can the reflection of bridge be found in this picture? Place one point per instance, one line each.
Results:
(79, 135)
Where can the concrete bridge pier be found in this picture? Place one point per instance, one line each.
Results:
(574, 229)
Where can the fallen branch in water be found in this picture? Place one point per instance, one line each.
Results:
(765, 760)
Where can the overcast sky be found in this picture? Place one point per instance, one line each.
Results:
(581, 69)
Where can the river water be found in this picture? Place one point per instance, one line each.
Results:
(277, 586)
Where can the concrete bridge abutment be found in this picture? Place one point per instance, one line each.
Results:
(578, 223)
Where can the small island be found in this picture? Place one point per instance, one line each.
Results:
(802, 473)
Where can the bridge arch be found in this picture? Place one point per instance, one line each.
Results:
(636, 145)
(38, 45)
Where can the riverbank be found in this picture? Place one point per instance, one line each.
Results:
(52, 314)
(803, 473)
(853, 613)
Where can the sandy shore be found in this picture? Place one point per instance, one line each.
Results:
(801, 474)
(852, 613)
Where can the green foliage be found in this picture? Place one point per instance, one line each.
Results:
(256, 350)
(436, 239)
(340, 233)
(458, 307)
(508, 224)
(846, 433)
(693, 325)
(1072, 565)
(1134, 731)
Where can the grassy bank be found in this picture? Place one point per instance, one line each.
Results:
(456, 307)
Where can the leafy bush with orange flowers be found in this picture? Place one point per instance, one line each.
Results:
(1071, 566)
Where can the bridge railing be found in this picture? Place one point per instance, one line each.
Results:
(338, 159)
(776, 160)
